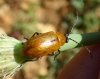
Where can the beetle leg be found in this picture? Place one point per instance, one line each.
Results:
(32, 60)
(25, 37)
(53, 53)
(29, 60)
(36, 33)
(56, 55)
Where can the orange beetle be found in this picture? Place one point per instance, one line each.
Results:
(43, 44)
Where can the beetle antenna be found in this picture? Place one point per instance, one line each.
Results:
(73, 25)
(74, 40)
(82, 46)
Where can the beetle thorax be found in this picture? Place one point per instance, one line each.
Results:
(61, 38)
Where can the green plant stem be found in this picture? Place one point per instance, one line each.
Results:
(83, 39)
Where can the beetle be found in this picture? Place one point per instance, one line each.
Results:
(43, 44)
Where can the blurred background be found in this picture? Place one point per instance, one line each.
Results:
(24, 17)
